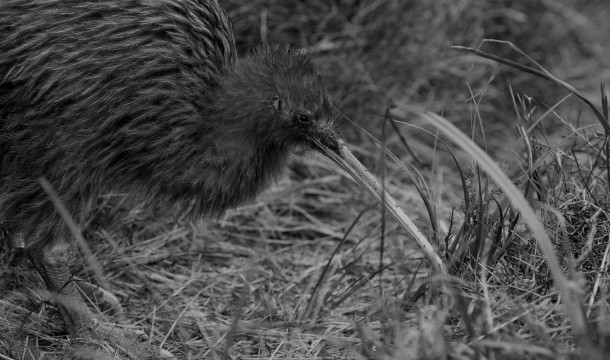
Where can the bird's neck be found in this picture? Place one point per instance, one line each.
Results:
(223, 167)
(228, 156)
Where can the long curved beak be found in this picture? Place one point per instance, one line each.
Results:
(336, 150)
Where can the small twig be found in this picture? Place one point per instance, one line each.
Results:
(601, 276)
(589, 244)
(241, 303)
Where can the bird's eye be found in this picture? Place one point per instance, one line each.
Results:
(303, 119)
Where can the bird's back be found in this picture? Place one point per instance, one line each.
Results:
(96, 92)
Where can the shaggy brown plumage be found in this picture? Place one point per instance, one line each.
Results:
(146, 97)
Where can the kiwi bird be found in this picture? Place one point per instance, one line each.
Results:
(146, 97)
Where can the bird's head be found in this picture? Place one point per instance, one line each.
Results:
(276, 98)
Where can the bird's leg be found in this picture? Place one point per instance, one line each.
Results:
(52, 261)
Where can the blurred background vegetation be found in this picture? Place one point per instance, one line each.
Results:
(376, 53)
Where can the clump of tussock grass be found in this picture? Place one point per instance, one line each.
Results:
(551, 267)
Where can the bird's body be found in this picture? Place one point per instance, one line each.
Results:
(145, 97)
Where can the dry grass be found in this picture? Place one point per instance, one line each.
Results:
(246, 286)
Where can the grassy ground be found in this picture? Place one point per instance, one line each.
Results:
(297, 274)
